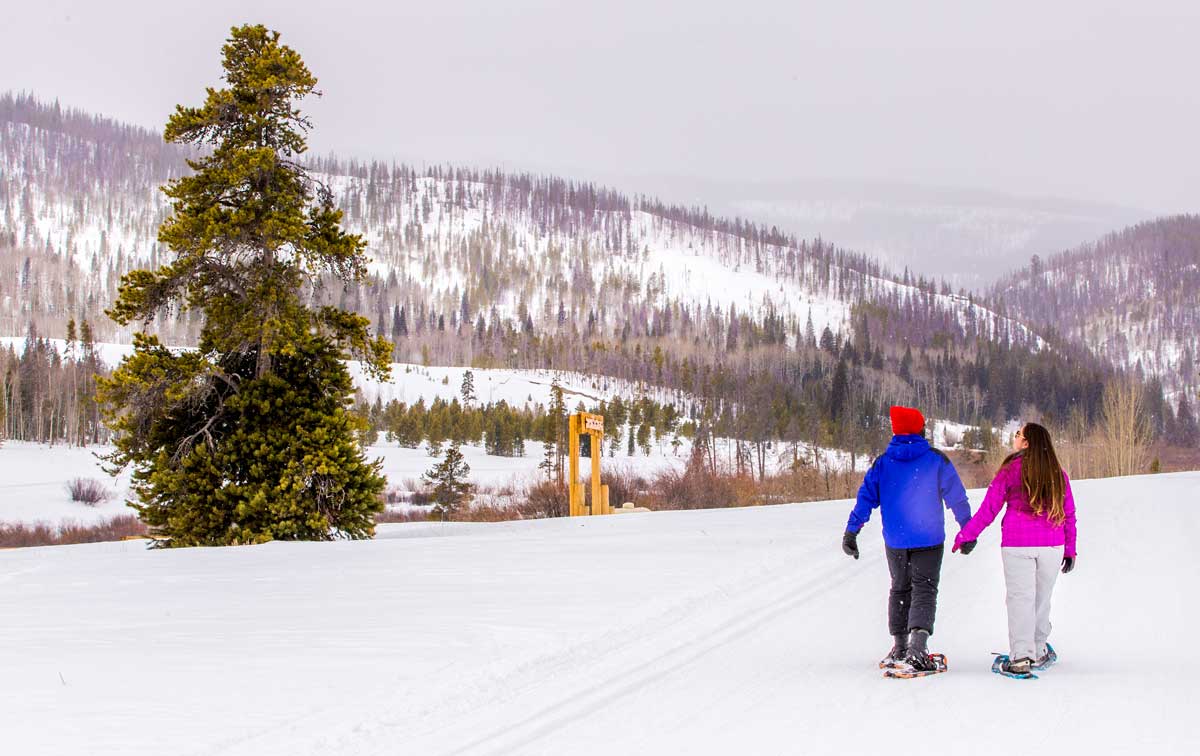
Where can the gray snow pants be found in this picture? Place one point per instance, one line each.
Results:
(1029, 574)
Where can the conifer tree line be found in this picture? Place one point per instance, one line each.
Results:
(49, 396)
(631, 427)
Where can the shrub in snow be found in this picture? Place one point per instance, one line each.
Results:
(546, 499)
(418, 497)
(87, 491)
(18, 534)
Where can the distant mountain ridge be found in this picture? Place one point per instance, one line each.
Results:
(968, 237)
(1132, 297)
(82, 192)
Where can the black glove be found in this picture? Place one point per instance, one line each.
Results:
(966, 547)
(1068, 564)
(850, 544)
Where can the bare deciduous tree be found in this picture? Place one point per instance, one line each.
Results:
(1124, 430)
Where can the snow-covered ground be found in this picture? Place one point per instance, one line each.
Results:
(704, 632)
(34, 477)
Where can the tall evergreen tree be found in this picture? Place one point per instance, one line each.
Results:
(839, 394)
(1188, 431)
(468, 388)
(552, 435)
(250, 437)
(827, 342)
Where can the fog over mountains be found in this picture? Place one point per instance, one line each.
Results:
(968, 237)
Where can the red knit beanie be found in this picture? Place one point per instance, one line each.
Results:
(906, 420)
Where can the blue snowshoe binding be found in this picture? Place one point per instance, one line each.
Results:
(1021, 669)
(1047, 661)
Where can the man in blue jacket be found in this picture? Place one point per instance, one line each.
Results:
(910, 483)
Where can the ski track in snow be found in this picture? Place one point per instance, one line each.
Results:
(675, 632)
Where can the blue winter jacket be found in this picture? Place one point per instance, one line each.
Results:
(910, 482)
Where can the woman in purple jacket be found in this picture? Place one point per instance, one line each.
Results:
(1037, 540)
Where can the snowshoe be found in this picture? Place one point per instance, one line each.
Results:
(1047, 661)
(1018, 670)
(933, 664)
(918, 662)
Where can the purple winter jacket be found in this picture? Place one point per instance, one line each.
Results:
(1021, 527)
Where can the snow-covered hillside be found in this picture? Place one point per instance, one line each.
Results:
(475, 244)
(409, 382)
(705, 632)
(967, 236)
(1133, 297)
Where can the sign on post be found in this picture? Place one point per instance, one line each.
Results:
(585, 423)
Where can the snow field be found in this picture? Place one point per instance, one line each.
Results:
(721, 631)
(34, 477)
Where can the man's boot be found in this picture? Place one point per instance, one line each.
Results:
(918, 653)
(898, 652)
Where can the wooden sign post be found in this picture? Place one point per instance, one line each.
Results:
(593, 425)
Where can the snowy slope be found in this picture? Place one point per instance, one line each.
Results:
(1132, 297)
(706, 632)
(967, 236)
(410, 382)
(433, 235)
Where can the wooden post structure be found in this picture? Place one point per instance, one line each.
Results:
(574, 492)
(593, 425)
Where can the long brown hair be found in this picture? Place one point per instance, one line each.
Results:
(1041, 474)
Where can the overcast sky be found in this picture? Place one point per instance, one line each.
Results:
(1086, 99)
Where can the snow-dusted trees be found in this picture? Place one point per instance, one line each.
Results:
(47, 391)
(1132, 296)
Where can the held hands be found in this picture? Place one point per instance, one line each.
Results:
(1068, 564)
(965, 546)
(850, 544)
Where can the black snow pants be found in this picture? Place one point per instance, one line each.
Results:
(912, 602)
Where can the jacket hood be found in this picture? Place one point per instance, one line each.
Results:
(907, 447)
